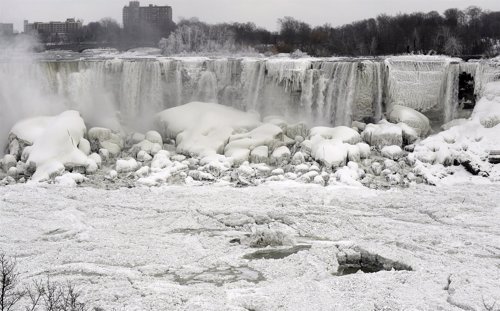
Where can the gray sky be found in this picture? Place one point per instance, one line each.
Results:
(262, 12)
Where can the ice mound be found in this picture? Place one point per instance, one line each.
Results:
(204, 128)
(411, 117)
(55, 142)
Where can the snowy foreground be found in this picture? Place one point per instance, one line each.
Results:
(277, 246)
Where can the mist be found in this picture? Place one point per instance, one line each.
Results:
(22, 93)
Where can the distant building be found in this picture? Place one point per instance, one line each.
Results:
(145, 19)
(6, 29)
(53, 28)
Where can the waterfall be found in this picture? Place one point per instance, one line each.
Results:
(110, 92)
(450, 91)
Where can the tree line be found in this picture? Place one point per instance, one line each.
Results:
(472, 31)
(455, 32)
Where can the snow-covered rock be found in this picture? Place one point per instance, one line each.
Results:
(203, 128)
(99, 134)
(154, 137)
(112, 148)
(280, 155)
(137, 138)
(298, 129)
(142, 172)
(392, 152)
(364, 150)
(126, 165)
(8, 161)
(84, 146)
(260, 155)
(70, 179)
(29, 130)
(410, 135)
(411, 117)
(298, 158)
(383, 134)
(487, 109)
(55, 146)
(330, 152)
(343, 133)
(161, 160)
(143, 156)
(239, 145)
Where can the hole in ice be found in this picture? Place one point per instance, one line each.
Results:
(276, 253)
(354, 261)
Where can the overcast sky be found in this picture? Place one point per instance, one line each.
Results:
(262, 12)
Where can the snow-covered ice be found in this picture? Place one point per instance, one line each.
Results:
(197, 248)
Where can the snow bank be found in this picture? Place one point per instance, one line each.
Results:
(203, 128)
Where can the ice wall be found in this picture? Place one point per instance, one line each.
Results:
(425, 83)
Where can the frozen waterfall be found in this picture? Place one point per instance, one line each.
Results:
(318, 91)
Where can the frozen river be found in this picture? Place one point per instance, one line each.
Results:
(190, 248)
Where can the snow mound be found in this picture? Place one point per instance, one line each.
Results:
(55, 143)
(203, 128)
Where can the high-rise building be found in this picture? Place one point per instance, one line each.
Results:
(6, 29)
(137, 18)
(51, 28)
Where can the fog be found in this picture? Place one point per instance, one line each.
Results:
(21, 93)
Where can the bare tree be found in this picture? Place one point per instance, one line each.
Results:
(46, 296)
(9, 278)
